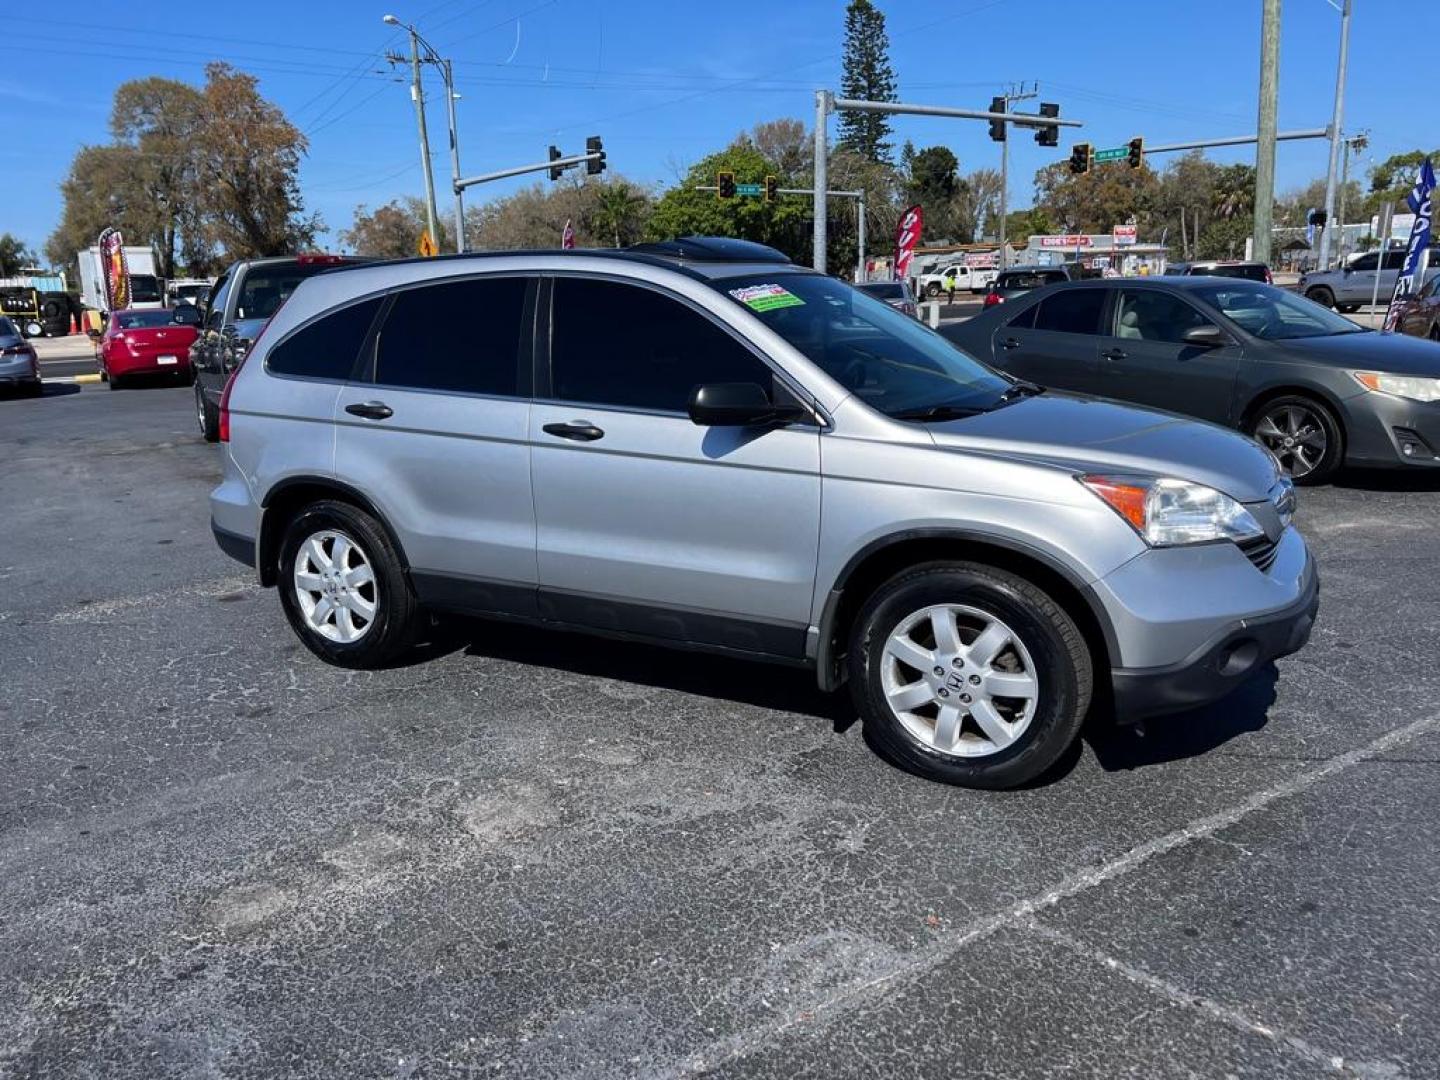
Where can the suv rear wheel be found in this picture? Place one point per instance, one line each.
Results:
(969, 675)
(344, 588)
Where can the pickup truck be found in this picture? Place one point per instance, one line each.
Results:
(1351, 285)
(957, 276)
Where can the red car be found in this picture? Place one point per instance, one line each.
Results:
(145, 342)
(1419, 315)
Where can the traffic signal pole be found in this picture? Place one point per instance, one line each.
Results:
(1337, 118)
(826, 103)
(520, 170)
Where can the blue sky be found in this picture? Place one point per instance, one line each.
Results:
(667, 81)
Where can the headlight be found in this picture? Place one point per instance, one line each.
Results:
(1407, 386)
(1168, 512)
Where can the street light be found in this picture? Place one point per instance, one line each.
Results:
(447, 73)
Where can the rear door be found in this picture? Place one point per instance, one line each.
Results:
(1055, 342)
(1146, 360)
(433, 430)
(646, 522)
(1357, 285)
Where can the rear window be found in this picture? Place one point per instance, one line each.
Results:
(1030, 279)
(144, 320)
(1248, 271)
(1071, 311)
(144, 289)
(265, 288)
(885, 290)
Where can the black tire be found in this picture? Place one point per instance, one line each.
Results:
(113, 380)
(1322, 295)
(398, 616)
(932, 290)
(1055, 644)
(1334, 450)
(206, 415)
(104, 375)
(1347, 309)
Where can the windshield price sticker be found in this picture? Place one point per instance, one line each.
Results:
(766, 297)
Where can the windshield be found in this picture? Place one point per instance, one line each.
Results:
(144, 289)
(886, 358)
(144, 320)
(1274, 314)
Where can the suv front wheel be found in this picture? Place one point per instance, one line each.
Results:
(344, 588)
(968, 674)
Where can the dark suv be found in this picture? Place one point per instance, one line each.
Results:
(1250, 271)
(239, 305)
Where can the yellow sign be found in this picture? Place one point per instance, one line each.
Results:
(427, 246)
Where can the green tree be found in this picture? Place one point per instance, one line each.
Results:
(686, 210)
(1234, 192)
(391, 231)
(933, 182)
(866, 75)
(1020, 225)
(104, 188)
(619, 212)
(14, 255)
(788, 144)
(1394, 177)
(977, 204)
(1097, 201)
(248, 167)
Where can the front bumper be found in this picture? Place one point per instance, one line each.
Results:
(1384, 431)
(1227, 659)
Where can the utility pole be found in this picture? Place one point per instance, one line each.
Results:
(1265, 129)
(1336, 119)
(1352, 144)
(1012, 95)
(454, 157)
(822, 179)
(417, 94)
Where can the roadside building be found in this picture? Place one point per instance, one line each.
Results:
(1119, 252)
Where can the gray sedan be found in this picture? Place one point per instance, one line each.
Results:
(1314, 387)
(19, 366)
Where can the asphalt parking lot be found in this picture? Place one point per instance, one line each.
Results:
(544, 855)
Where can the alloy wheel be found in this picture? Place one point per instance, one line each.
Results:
(959, 680)
(335, 586)
(1296, 436)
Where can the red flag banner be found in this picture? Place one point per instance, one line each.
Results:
(114, 271)
(907, 236)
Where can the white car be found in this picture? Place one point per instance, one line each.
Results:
(959, 278)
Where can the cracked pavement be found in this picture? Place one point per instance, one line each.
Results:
(540, 854)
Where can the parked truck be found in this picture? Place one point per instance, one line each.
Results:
(146, 288)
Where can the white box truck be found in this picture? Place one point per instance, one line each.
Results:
(146, 288)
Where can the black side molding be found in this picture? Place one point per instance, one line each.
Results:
(239, 548)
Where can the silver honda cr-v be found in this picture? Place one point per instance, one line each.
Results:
(701, 444)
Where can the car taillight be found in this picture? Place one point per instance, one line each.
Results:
(991, 299)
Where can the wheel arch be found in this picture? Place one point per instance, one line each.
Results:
(1263, 397)
(881, 559)
(288, 497)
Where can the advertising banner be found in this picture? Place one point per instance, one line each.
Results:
(907, 236)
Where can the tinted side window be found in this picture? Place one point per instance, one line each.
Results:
(460, 336)
(615, 344)
(215, 308)
(1026, 319)
(1366, 262)
(328, 347)
(1394, 260)
(1071, 311)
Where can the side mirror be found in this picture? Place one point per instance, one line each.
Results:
(1205, 336)
(738, 405)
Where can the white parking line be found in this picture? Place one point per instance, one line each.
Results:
(804, 1014)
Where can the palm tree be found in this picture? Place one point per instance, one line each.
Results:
(1235, 191)
(618, 206)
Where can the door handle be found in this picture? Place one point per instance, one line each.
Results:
(1113, 354)
(371, 410)
(579, 430)
(1009, 343)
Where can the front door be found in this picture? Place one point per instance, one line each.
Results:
(1055, 343)
(434, 433)
(647, 523)
(1146, 360)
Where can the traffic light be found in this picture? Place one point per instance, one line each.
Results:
(997, 127)
(1049, 135)
(595, 166)
(1136, 157)
(725, 185)
(772, 188)
(1081, 155)
(555, 155)
(1317, 218)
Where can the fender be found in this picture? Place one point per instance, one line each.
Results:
(266, 543)
(828, 648)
